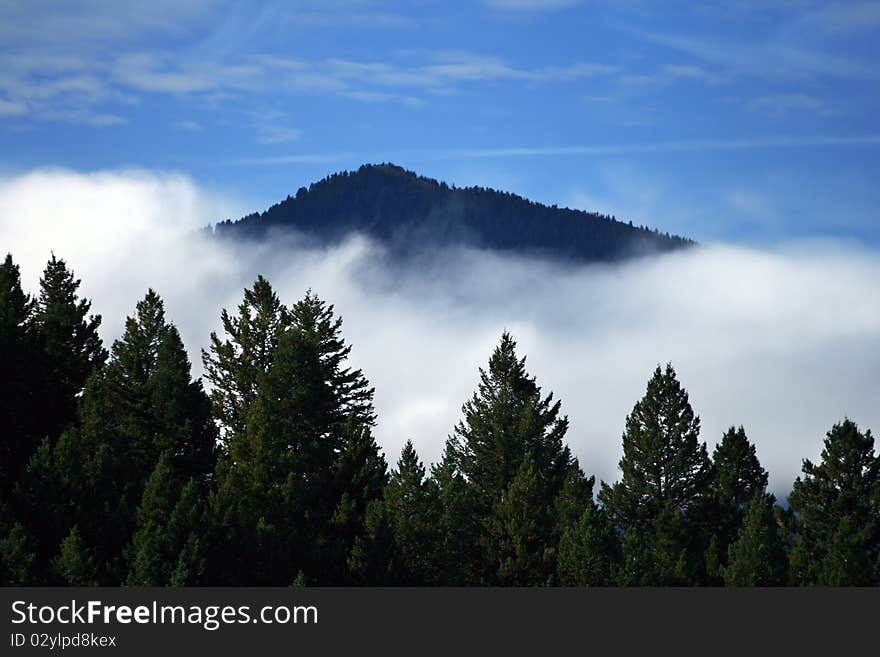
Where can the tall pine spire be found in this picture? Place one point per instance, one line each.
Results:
(664, 485)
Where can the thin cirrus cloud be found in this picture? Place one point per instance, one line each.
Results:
(785, 341)
(774, 59)
(681, 145)
(531, 5)
(36, 84)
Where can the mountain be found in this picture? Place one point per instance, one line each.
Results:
(409, 213)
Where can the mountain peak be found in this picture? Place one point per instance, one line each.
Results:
(410, 213)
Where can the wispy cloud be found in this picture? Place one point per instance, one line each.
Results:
(188, 125)
(668, 146)
(684, 145)
(771, 59)
(294, 158)
(749, 203)
(531, 5)
(84, 84)
(841, 18)
(65, 26)
(782, 104)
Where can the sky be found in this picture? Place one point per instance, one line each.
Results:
(744, 121)
(748, 126)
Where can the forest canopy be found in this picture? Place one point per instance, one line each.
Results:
(117, 467)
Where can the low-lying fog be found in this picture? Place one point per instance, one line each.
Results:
(785, 341)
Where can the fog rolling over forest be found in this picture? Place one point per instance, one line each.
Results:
(783, 340)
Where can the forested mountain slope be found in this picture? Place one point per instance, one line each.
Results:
(409, 213)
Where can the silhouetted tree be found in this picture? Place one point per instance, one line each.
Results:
(18, 381)
(837, 508)
(737, 477)
(71, 348)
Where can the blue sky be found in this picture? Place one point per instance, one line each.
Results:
(752, 122)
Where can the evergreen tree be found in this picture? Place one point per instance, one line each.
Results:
(588, 549)
(520, 529)
(361, 477)
(71, 347)
(320, 329)
(233, 366)
(17, 555)
(411, 502)
(300, 470)
(757, 557)
(165, 547)
(460, 547)
(737, 477)
(140, 405)
(664, 486)
(74, 564)
(507, 422)
(18, 384)
(372, 559)
(837, 507)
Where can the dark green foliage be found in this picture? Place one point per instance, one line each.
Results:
(17, 555)
(234, 366)
(520, 527)
(737, 477)
(372, 559)
(412, 504)
(507, 423)
(460, 548)
(409, 212)
(165, 549)
(111, 475)
(141, 405)
(71, 348)
(301, 465)
(664, 488)
(757, 557)
(74, 564)
(361, 477)
(18, 379)
(588, 551)
(837, 512)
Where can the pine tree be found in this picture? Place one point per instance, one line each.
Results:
(460, 548)
(588, 550)
(757, 557)
(71, 347)
(411, 502)
(234, 365)
(302, 465)
(74, 564)
(165, 547)
(520, 528)
(372, 559)
(507, 422)
(664, 486)
(837, 507)
(737, 477)
(361, 477)
(17, 554)
(141, 405)
(18, 384)
(319, 328)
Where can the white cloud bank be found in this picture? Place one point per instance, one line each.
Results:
(785, 342)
